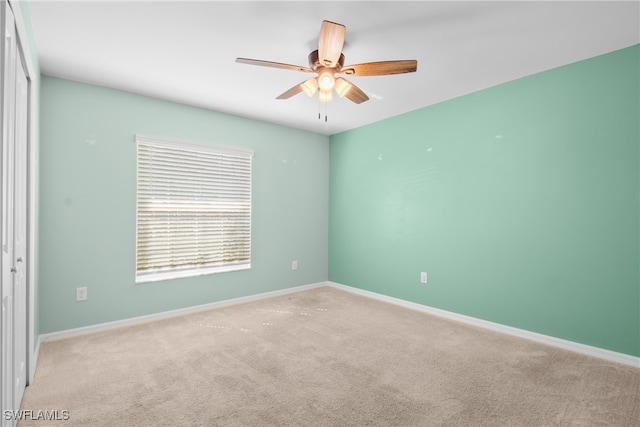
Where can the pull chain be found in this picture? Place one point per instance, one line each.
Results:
(326, 116)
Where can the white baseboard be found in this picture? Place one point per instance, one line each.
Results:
(33, 362)
(166, 314)
(601, 353)
(609, 355)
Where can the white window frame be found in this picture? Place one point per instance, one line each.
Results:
(150, 196)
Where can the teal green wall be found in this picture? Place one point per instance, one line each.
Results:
(520, 201)
(88, 198)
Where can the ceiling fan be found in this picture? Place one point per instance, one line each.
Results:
(328, 61)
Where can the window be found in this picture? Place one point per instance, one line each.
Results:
(193, 209)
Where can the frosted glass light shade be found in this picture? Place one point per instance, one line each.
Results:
(342, 87)
(310, 86)
(325, 96)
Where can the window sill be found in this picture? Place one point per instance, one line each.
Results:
(192, 272)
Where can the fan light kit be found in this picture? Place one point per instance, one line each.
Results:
(328, 61)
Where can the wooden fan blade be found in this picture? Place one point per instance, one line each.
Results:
(289, 93)
(274, 65)
(356, 94)
(381, 68)
(330, 43)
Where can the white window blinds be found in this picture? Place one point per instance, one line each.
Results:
(193, 209)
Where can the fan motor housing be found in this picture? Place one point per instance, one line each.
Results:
(314, 61)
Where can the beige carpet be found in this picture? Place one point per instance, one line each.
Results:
(324, 357)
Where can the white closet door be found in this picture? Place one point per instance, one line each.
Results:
(14, 87)
(20, 234)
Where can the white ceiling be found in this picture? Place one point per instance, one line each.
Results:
(185, 51)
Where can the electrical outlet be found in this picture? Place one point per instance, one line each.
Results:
(294, 265)
(423, 277)
(81, 294)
